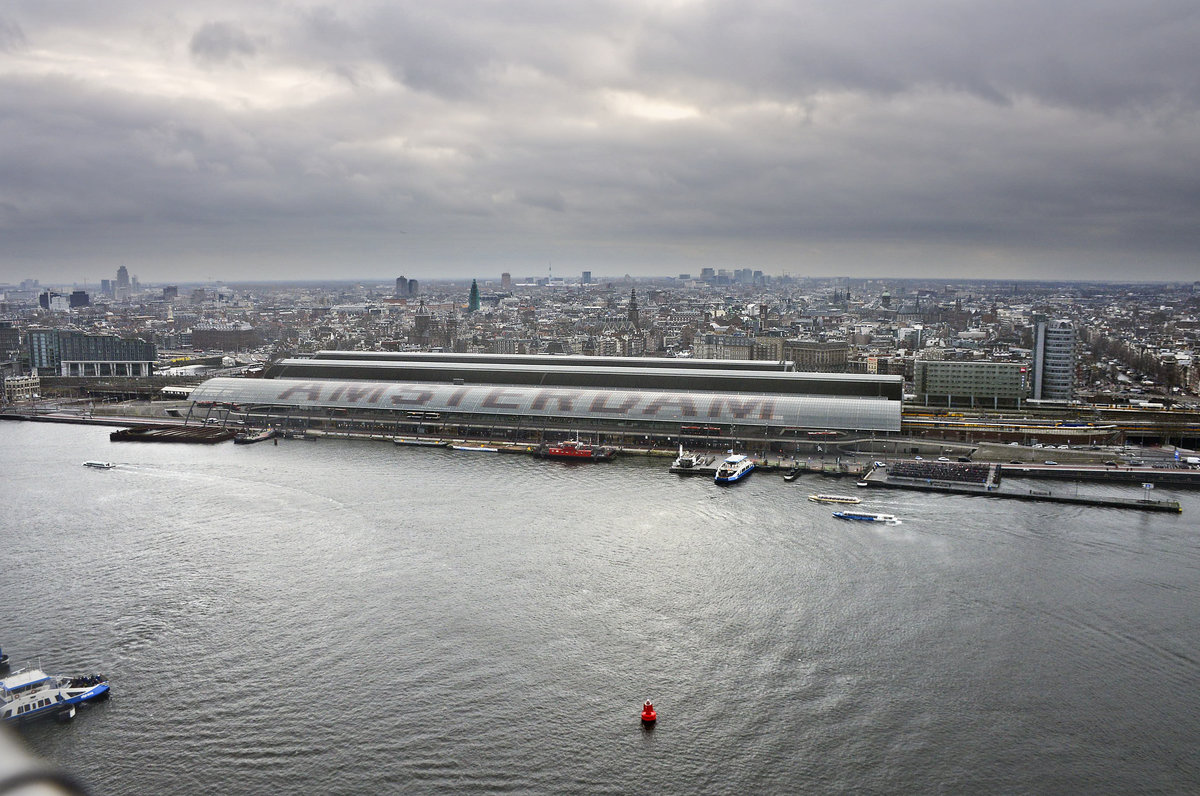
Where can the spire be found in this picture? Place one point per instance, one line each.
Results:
(473, 301)
(633, 310)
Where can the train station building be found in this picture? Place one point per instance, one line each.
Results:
(530, 398)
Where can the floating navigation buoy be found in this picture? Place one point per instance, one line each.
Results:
(648, 714)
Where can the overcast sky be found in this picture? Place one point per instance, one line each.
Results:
(234, 140)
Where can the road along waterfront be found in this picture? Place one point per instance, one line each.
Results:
(345, 616)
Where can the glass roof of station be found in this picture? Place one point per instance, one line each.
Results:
(599, 375)
(682, 406)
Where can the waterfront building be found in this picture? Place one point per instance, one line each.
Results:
(21, 388)
(958, 383)
(67, 352)
(525, 398)
(1053, 360)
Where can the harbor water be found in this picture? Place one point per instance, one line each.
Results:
(358, 617)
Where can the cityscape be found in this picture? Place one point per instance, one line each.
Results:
(599, 397)
(973, 344)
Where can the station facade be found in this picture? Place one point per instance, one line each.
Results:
(534, 399)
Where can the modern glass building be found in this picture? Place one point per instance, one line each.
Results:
(1053, 360)
(67, 352)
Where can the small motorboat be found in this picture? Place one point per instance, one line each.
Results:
(792, 474)
(99, 465)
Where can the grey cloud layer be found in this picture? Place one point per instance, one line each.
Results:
(625, 137)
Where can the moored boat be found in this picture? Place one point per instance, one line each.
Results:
(250, 437)
(417, 442)
(688, 461)
(866, 516)
(99, 465)
(844, 499)
(476, 448)
(792, 474)
(735, 467)
(32, 693)
(575, 451)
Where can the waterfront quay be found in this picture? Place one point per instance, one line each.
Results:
(992, 486)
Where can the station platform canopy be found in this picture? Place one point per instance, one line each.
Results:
(598, 373)
(631, 407)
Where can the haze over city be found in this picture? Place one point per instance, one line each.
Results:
(369, 139)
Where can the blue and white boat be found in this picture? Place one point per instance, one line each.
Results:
(29, 694)
(866, 516)
(735, 467)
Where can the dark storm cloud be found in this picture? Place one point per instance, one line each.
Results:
(11, 36)
(218, 42)
(847, 136)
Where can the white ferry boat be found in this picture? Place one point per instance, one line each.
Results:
(31, 693)
(866, 516)
(99, 465)
(845, 499)
(735, 467)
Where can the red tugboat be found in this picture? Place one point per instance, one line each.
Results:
(574, 450)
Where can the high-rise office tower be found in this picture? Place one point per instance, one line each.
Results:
(1053, 360)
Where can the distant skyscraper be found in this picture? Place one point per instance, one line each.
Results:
(412, 287)
(401, 286)
(1053, 360)
(473, 300)
(122, 277)
(506, 281)
(587, 278)
(170, 292)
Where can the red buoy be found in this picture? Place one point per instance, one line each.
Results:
(648, 714)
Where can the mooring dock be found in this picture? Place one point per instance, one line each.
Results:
(993, 488)
(204, 435)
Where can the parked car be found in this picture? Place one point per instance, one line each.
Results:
(1049, 462)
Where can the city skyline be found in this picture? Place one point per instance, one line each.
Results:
(291, 142)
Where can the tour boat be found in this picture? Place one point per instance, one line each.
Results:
(834, 499)
(475, 448)
(31, 693)
(576, 451)
(100, 465)
(866, 516)
(735, 467)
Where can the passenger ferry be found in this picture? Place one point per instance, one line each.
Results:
(33, 693)
(845, 499)
(735, 467)
(866, 516)
(100, 465)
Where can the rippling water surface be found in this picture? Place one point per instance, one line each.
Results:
(341, 617)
